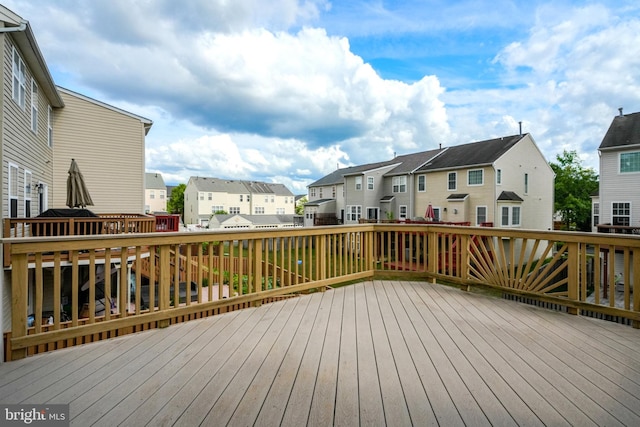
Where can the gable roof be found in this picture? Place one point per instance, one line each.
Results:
(411, 162)
(509, 196)
(624, 131)
(479, 153)
(154, 181)
(236, 186)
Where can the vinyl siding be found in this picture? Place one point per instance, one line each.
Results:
(20, 145)
(109, 148)
(617, 187)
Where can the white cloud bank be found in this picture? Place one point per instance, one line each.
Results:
(259, 90)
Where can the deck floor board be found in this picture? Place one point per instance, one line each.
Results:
(377, 352)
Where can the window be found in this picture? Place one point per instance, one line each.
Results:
(312, 192)
(320, 192)
(498, 176)
(596, 214)
(19, 80)
(510, 216)
(515, 215)
(354, 213)
(333, 192)
(34, 106)
(452, 181)
(201, 196)
(218, 208)
(234, 210)
(422, 183)
(526, 183)
(49, 127)
(161, 194)
(266, 199)
(399, 184)
(241, 198)
(481, 214)
(402, 212)
(273, 199)
(475, 177)
(372, 213)
(621, 213)
(358, 183)
(370, 182)
(258, 210)
(279, 211)
(630, 162)
(13, 190)
(152, 194)
(209, 196)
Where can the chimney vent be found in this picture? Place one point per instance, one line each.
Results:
(620, 109)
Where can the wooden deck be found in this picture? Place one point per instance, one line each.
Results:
(375, 353)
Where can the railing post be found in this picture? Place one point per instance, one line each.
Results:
(19, 297)
(164, 282)
(573, 267)
(257, 268)
(463, 269)
(636, 289)
(432, 252)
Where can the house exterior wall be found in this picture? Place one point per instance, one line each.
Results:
(155, 200)
(618, 187)
(537, 207)
(437, 192)
(109, 148)
(23, 149)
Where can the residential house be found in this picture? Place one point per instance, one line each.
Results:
(205, 196)
(241, 221)
(504, 181)
(155, 193)
(109, 145)
(44, 126)
(618, 200)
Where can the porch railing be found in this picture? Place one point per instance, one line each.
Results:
(91, 287)
(116, 223)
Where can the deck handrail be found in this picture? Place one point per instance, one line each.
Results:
(195, 274)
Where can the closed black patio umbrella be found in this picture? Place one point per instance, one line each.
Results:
(77, 193)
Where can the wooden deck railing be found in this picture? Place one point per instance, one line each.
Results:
(79, 226)
(153, 280)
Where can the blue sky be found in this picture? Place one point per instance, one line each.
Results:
(288, 90)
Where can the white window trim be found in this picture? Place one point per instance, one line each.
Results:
(34, 106)
(28, 190)
(425, 183)
(358, 183)
(19, 75)
(399, 184)
(11, 184)
(456, 175)
(370, 183)
(49, 127)
(486, 214)
(510, 215)
(625, 216)
(620, 164)
(469, 177)
(406, 212)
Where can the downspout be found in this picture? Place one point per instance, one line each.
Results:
(21, 27)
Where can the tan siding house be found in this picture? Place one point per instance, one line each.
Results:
(108, 144)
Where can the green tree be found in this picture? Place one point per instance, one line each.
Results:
(175, 205)
(300, 206)
(574, 186)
